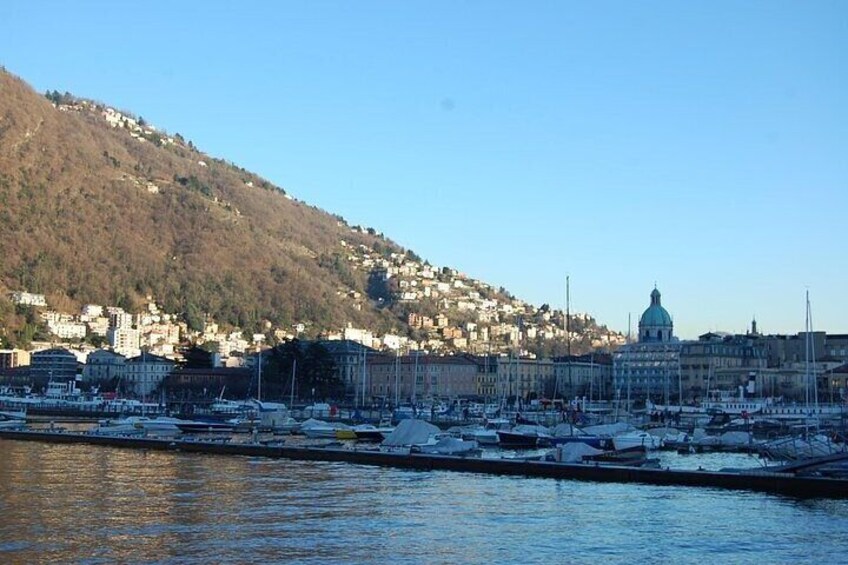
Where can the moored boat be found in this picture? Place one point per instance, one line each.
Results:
(636, 439)
(369, 432)
(524, 436)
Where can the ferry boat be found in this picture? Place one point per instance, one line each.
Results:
(740, 406)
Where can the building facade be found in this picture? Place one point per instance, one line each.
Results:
(349, 358)
(408, 378)
(581, 376)
(144, 373)
(649, 368)
(56, 363)
(103, 365)
(12, 358)
(719, 362)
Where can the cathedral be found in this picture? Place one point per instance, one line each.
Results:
(650, 368)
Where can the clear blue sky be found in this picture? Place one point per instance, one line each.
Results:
(701, 145)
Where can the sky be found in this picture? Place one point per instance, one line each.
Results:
(699, 146)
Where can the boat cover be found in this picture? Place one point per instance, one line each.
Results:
(313, 423)
(608, 430)
(574, 452)
(410, 432)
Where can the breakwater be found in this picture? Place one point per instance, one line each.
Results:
(756, 480)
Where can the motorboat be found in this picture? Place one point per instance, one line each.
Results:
(121, 429)
(485, 434)
(635, 439)
(345, 433)
(13, 414)
(445, 444)
(582, 453)
(569, 433)
(314, 429)
(286, 427)
(136, 425)
(201, 426)
(369, 432)
(524, 436)
(12, 424)
(408, 434)
(794, 448)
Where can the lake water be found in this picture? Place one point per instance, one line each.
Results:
(88, 504)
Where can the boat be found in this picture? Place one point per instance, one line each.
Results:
(569, 433)
(261, 416)
(160, 425)
(286, 427)
(200, 426)
(13, 414)
(484, 434)
(314, 429)
(636, 439)
(369, 432)
(629, 457)
(118, 429)
(345, 433)
(408, 434)
(796, 448)
(524, 436)
(445, 444)
(582, 453)
(404, 413)
(12, 424)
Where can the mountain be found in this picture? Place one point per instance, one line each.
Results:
(97, 206)
(95, 213)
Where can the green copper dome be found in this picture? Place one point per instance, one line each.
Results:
(655, 315)
(655, 324)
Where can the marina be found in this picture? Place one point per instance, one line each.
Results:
(785, 483)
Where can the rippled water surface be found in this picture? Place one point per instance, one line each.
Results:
(77, 503)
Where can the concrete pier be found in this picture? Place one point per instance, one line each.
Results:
(756, 480)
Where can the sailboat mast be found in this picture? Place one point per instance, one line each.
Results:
(397, 377)
(811, 389)
(294, 372)
(259, 378)
(364, 363)
(415, 379)
(568, 333)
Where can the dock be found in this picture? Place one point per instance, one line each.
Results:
(783, 483)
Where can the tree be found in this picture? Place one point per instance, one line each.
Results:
(198, 358)
(194, 318)
(320, 373)
(315, 371)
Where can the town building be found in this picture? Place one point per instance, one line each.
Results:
(144, 373)
(12, 358)
(194, 383)
(349, 358)
(406, 378)
(28, 299)
(124, 340)
(103, 365)
(719, 362)
(53, 364)
(578, 376)
(651, 366)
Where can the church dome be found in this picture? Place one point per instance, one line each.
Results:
(655, 315)
(655, 323)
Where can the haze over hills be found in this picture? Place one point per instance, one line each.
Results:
(96, 206)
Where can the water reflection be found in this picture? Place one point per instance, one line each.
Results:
(81, 503)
